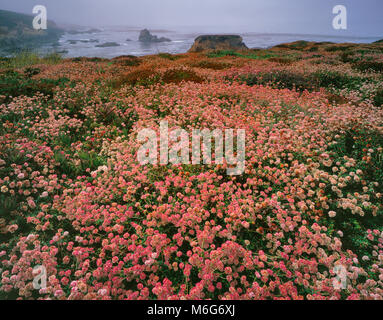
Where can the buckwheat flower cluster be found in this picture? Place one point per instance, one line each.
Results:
(306, 211)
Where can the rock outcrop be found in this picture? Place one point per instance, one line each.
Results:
(91, 31)
(218, 42)
(107, 44)
(147, 37)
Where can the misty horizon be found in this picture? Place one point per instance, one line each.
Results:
(242, 16)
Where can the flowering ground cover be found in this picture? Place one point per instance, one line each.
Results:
(74, 198)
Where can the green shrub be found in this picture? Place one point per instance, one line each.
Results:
(283, 79)
(337, 48)
(13, 84)
(299, 44)
(337, 80)
(222, 53)
(279, 79)
(30, 72)
(355, 144)
(27, 59)
(368, 65)
(254, 54)
(168, 56)
(86, 59)
(346, 57)
(378, 99)
(330, 78)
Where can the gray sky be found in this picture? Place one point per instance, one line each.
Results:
(280, 16)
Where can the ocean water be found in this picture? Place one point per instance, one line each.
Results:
(84, 44)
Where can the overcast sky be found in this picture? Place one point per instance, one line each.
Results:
(280, 16)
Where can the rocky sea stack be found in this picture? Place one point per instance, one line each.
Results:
(218, 42)
(146, 36)
(107, 44)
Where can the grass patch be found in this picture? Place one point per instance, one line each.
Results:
(283, 79)
(168, 56)
(257, 55)
(26, 58)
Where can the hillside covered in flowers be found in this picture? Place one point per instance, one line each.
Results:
(74, 198)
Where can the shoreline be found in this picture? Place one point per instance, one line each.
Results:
(294, 45)
(72, 45)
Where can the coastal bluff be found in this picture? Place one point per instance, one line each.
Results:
(218, 42)
(17, 33)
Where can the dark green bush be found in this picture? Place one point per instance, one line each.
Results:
(168, 56)
(330, 78)
(86, 59)
(30, 72)
(279, 79)
(256, 54)
(355, 143)
(378, 99)
(13, 84)
(286, 79)
(368, 65)
(337, 48)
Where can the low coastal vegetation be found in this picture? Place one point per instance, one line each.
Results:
(17, 33)
(74, 199)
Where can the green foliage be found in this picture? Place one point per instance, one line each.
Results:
(88, 160)
(378, 99)
(29, 58)
(356, 144)
(287, 79)
(361, 62)
(336, 80)
(279, 79)
(168, 56)
(337, 48)
(223, 53)
(13, 84)
(299, 44)
(255, 54)
(369, 66)
(86, 59)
